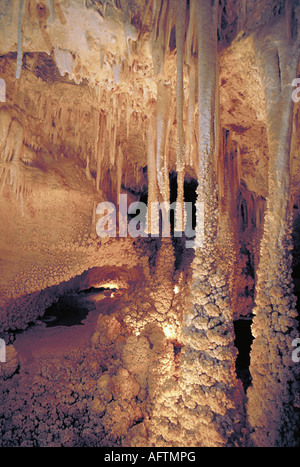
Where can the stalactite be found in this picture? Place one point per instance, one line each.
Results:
(191, 114)
(11, 151)
(104, 9)
(119, 109)
(171, 118)
(64, 61)
(128, 115)
(289, 4)
(162, 22)
(155, 53)
(191, 36)
(116, 68)
(162, 112)
(63, 120)
(180, 7)
(131, 34)
(164, 28)
(206, 96)
(242, 17)
(152, 179)
(42, 15)
(77, 128)
(119, 170)
(61, 15)
(87, 168)
(51, 9)
(100, 148)
(20, 40)
(112, 145)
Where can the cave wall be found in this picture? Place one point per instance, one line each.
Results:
(109, 98)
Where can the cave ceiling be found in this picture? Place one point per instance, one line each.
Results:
(82, 59)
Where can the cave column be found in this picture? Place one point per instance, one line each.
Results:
(212, 413)
(274, 380)
(180, 14)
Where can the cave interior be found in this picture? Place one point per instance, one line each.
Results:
(149, 337)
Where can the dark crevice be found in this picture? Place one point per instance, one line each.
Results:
(279, 70)
(243, 342)
(67, 311)
(70, 310)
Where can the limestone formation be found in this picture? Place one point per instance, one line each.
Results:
(175, 331)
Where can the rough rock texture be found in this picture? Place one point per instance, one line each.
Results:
(274, 325)
(132, 341)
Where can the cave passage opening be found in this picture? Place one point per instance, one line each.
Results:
(243, 342)
(182, 254)
(73, 309)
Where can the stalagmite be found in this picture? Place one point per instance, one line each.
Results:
(20, 40)
(274, 324)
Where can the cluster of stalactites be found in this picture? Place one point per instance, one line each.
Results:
(108, 151)
(173, 113)
(30, 10)
(186, 23)
(195, 54)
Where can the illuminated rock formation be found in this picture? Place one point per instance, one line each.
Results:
(136, 340)
(274, 325)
